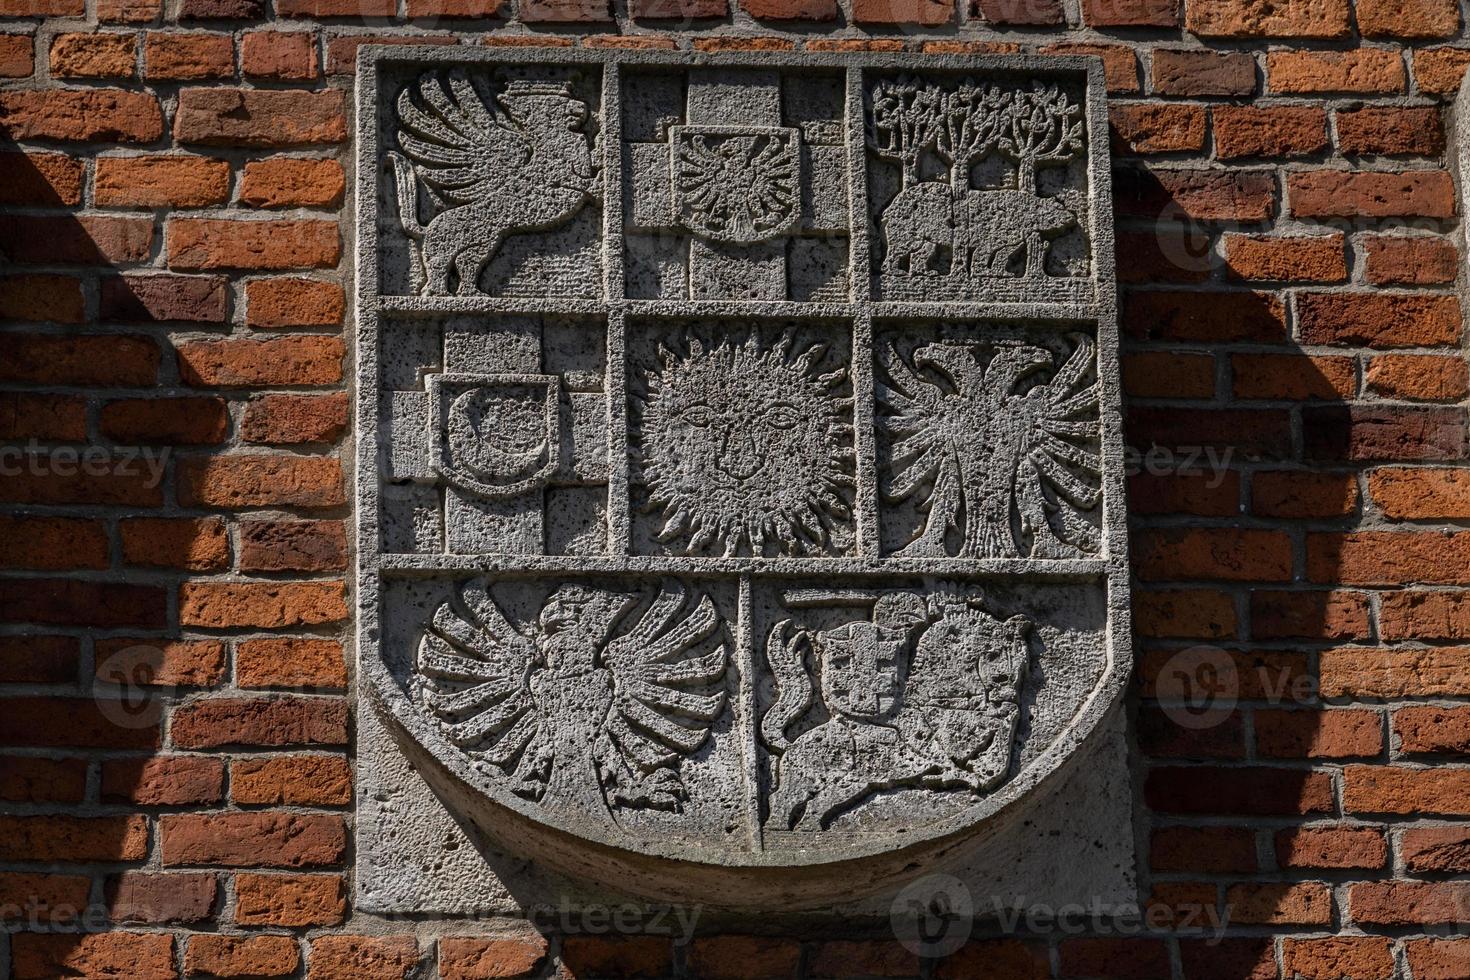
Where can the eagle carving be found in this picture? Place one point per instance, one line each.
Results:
(591, 706)
(520, 163)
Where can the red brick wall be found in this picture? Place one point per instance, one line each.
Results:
(173, 241)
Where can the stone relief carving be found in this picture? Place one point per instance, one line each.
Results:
(588, 706)
(737, 184)
(925, 694)
(521, 162)
(1003, 460)
(939, 226)
(715, 550)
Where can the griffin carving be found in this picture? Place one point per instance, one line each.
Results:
(1003, 470)
(574, 715)
(523, 163)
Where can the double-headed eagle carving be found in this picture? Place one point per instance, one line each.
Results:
(573, 715)
(520, 163)
(1000, 469)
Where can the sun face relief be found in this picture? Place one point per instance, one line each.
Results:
(746, 449)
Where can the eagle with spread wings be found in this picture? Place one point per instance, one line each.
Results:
(520, 162)
(1002, 465)
(572, 714)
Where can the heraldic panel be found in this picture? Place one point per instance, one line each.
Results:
(738, 480)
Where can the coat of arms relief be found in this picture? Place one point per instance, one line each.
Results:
(707, 543)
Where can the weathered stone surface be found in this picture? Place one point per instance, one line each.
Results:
(725, 590)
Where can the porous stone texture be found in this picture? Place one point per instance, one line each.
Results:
(739, 488)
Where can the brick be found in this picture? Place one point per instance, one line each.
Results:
(1345, 194)
(1193, 317)
(280, 662)
(1371, 432)
(47, 897)
(41, 956)
(1365, 672)
(1434, 850)
(1432, 729)
(1389, 557)
(1257, 675)
(1414, 615)
(221, 9)
(1133, 958)
(1162, 255)
(17, 56)
(1396, 131)
(1269, 131)
(268, 605)
(1205, 494)
(1189, 614)
(362, 957)
(490, 959)
(40, 178)
(1140, 128)
(1416, 493)
(1333, 957)
(1439, 71)
(56, 838)
(1309, 615)
(283, 56)
(1162, 736)
(130, 11)
(42, 722)
(1293, 377)
(1408, 18)
(288, 302)
(1194, 433)
(28, 779)
(52, 543)
(1252, 791)
(1407, 903)
(1203, 195)
(1279, 903)
(1438, 959)
(72, 602)
(1285, 258)
(565, 11)
(817, 10)
(834, 958)
(1130, 13)
(725, 957)
(101, 55)
(609, 957)
(474, 9)
(336, 8)
(132, 661)
(180, 421)
(1396, 789)
(223, 243)
(1199, 73)
(44, 298)
(282, 361)
(124, 482)
(1331, 847)
(39, 659)
(1163, 374)
(342, 51)
(162, 298)
(287, 182)
(1363, 71)
(217, 722)
(257, 839)
(164, 780)
(1383, 320)
(161, 180)
(300, 546)
(194, 544)
(93, 239)
(1395, 260)
(1267, 18)
(1019, 13)
(187, 57)
(1203, 850)
(147, 898)
(261, 481)
(42, 8)
(1415, 377)
(82, 114)
(241, 956)
(259, 117)
(295, 780)
(1120, 64)
(1008, 958)
(289, 900)
(1336, 734)
(42, 416)
(294, 419)
(1212, 553)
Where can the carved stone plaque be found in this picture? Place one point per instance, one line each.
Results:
(739, 475)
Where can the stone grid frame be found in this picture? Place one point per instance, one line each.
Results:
(857, 315)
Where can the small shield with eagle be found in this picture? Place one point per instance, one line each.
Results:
(736, 184)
